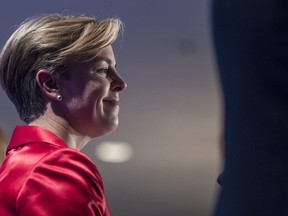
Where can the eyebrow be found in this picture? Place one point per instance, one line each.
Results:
(107, 60)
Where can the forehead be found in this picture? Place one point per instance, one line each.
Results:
(106, 55)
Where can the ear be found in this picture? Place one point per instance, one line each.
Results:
(47, 83)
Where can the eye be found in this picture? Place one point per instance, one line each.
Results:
(100, 72)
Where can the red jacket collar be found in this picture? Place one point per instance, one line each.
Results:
(24, 134)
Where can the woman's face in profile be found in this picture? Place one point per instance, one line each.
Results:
(91, 95)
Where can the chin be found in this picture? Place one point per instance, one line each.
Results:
(112, 124)
(106, 129)
(112, 128)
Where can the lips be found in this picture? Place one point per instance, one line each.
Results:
(113, 102)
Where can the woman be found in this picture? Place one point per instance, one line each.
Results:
(60, 73)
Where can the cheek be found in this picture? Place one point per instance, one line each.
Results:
(85, 96)
(95, 92)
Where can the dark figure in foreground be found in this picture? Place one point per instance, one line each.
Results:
(251, 40)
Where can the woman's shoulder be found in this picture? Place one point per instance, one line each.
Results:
(42, 157)
(69, 158)
(61, 175)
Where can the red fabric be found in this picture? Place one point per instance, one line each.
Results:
(42, 176)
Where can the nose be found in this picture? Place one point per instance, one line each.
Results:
(118, 84)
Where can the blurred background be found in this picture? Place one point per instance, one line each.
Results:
(165, 157)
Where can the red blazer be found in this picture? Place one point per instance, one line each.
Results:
(42, 176)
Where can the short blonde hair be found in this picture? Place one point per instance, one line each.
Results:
(51, 42)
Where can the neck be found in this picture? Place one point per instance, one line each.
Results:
(61, 128)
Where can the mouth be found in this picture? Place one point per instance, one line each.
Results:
(112, 102)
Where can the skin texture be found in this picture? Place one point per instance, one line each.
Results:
(90, 104)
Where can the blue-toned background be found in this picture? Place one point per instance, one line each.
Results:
(170, 112)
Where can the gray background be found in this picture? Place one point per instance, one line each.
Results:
(170, 112)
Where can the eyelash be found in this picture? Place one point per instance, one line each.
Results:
(101, 71)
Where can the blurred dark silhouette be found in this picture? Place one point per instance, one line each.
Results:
(251, 43)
